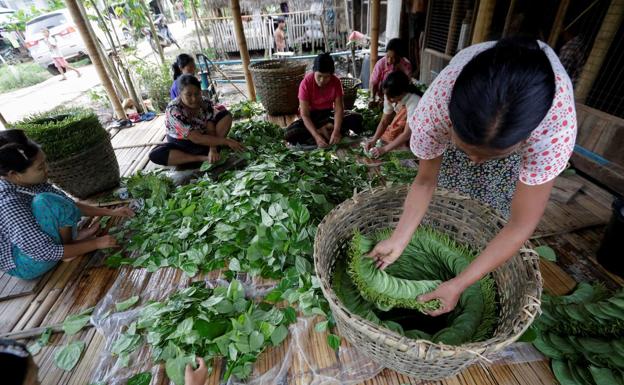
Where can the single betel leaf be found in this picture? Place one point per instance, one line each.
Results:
(127, 304)
(333, 341)
(547, 253)
(274, 296)
(290, 315)
(140, 379)
(175, 368)
(256, 341)
(302, 265)
(74, 323)
(67, 356)
(321, 326)
(43, 340)
(234, 265)
(529, 335)
(279, 334)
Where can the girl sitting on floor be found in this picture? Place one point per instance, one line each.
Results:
(195, 128)
(38, 223)
(400, 100)
(184, 65)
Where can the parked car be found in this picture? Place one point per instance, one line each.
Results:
(62, 26)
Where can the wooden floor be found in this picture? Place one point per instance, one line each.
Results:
(75, 286)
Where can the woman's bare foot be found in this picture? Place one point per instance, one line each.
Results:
(213, 157)
(88, 232)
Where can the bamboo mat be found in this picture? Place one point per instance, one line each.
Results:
(11, 287)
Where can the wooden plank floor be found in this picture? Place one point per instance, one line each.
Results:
(75, 286)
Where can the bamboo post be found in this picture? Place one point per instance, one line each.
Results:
(510, 11)
(159, 48)
(81, 24)
(374, 23)
(483, 21)
(606, 34)
(3, 121)
(196, 22)
(556, 28)
(242, 45)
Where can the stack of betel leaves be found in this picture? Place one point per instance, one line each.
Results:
(389, 297)
(583, 334)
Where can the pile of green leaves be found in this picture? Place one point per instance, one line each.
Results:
(431, 256)
(64, 132)
(258, 220)
(397, 167)
(583, 334)
(209, 323)
(372, 116)
(246, 109)
(153, 187)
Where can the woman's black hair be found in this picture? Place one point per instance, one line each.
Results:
(14, 359)
(502, 94)
(397, 83)
(324, 63)
(187, 80)
(396, 45)
(17, 152)
(182, 61)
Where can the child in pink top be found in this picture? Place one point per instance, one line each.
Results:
(323, 118)
(393, 61)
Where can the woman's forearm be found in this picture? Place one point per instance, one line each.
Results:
(309, 124)
(399, 140)
(381, 127)
(207, 140)
(338, 115)
(78, 248)
(93, 211)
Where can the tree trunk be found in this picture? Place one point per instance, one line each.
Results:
(94, 54)
(159, 48)
(242, 44)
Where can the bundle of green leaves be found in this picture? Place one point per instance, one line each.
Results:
(430, 256)
(246, 109)
(583, 334)
(209, 323)
(153, 186)
(64, 132)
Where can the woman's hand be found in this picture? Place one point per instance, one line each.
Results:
(335, 137)
(321, 142)
(197, 376)
(234, 145)
(105, 242)
(124, 212)
(386, 253)
(378, 152)
(213, 156)
(448, 293)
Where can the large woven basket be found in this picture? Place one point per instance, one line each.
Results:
(518, 281)
(92, 171)
(277, 85)
(350, 87)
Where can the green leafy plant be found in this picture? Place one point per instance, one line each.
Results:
(156, 80)
(68, 356)
(246, 109)
(41, 342)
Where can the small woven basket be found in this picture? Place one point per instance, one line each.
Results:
(88, 173)
(277, 85)
(518, 281)
(350, 87)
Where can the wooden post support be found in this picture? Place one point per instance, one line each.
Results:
(374, 34)
(81, 24)
(556, 28)
(608, 30)
(4, 123)
(510, 11)
(242, 45)
(483, 21)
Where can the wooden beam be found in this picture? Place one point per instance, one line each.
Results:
(483, 21)
(242, 45)
(374, 34)
(98, 63)
(606, 34)
(558, 23)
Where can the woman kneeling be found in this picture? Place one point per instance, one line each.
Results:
(195, 128)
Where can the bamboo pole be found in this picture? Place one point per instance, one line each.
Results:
(3, 121)
(483, 21)
(242, 45)
(159, 48)
(556, 28)
(374, 23)
(81, 24)
(196, 22)
(606, 34)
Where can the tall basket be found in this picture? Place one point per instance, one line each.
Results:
(277, 85)
(350, 87)
(519, 283)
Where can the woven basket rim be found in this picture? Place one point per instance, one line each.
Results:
(411, 347)
(285, 66)
(84, 153)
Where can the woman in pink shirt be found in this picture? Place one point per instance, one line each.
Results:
(323, 118)
(393, 61)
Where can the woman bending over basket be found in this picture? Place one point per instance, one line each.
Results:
(195, 128)
(323, 118)
(400, 101)
(498, 124)
(38, 223)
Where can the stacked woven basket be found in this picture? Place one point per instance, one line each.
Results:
(80, 156)
(277, 85)
(518, 281)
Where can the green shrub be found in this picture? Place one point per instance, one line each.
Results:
(156, 80)
(64, 132)
(25, 75)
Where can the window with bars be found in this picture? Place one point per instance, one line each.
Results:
(607, 92)
(448, 25)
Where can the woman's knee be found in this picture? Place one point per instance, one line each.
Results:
(159, 155)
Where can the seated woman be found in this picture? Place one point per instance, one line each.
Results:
(323, 118)
(38, 223)
(184, 65)
(195, 128)
(400, 101)
(394, 60)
